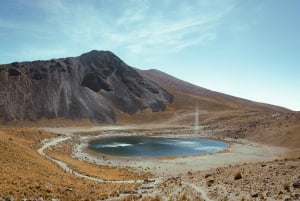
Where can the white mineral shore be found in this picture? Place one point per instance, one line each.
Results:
(239, 151)
(242, 152)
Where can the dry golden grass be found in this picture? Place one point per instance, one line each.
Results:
(26, 174)
(183, 103)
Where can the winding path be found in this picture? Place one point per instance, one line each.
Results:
(198, 190)
(65, 167)
(142, 190)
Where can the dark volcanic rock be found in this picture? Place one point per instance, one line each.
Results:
(296, 184)
(88, 86)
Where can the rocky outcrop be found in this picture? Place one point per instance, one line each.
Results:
(92, 85)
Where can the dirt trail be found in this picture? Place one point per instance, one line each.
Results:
(198, 190)
(55, 141)
(239, 151)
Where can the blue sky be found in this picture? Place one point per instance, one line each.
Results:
(248, 48)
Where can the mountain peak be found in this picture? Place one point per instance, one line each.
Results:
(98, 52)
(93, 85)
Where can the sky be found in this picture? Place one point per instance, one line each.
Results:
(248, 48)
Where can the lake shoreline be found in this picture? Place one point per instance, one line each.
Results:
(156, 147)
(239, 151)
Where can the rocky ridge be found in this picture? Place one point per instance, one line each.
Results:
(93, 85)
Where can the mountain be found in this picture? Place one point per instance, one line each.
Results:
(183, 88)
(93, 85)
(99, 86)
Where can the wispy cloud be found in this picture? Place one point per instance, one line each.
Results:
(148, 30)
(134, 27)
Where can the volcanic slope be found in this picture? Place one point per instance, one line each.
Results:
(93, 85)
(206, 98)
(225, 116)
(99, 86)
(187, 97)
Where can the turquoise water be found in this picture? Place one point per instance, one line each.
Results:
(141, 146)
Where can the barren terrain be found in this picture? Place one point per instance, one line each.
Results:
(27, 175)
(48, 159)
(264, 149)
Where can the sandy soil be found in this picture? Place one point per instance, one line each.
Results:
(181, 178)
(26, 175)
(262, 162)
(264, 150)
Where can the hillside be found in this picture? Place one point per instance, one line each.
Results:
(100, 87)
(182, 88)
(93, 85)
(53, 162)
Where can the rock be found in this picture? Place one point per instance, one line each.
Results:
(237, 176)
(210, 182)
(147, 181)
(69, 189)
(286, 186)
(296, 196)
(296, 184)
(94, 85)
(146, 187)
(255, 195)
(129, 192)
